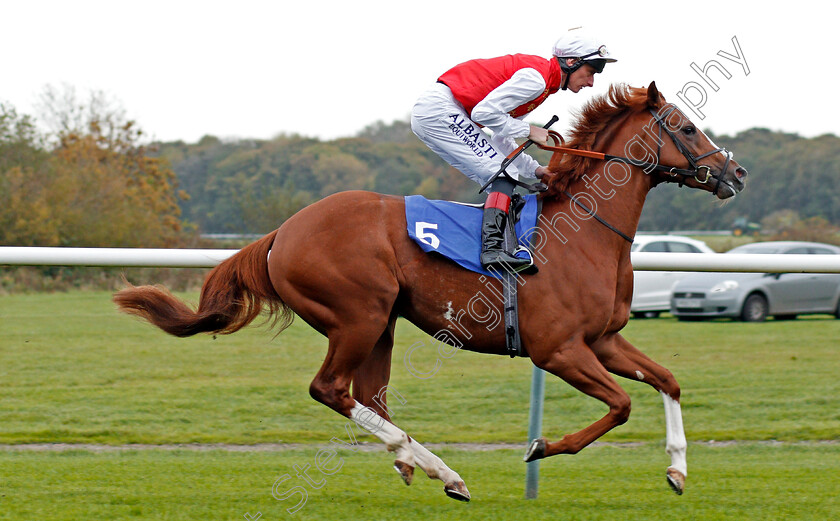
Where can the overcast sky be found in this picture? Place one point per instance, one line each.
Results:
(325, 68)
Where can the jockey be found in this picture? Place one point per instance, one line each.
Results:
(452, 117)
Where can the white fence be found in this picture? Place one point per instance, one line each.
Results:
(123, 257)
(170, 258)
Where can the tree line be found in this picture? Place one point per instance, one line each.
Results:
(95, 182)
(252, 186)
(91, 184)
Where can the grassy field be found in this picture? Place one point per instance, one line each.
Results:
(76, 371)
(745, 482)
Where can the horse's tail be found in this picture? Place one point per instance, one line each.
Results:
(233, 295)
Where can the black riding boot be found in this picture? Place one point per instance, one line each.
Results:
(493, 252)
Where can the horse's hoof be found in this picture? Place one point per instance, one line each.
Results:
(676, 479)
(457, 490)
(536, 450)
(405, 471)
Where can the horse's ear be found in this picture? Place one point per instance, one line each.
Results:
(653, 95)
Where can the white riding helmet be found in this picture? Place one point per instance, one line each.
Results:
(583, 48)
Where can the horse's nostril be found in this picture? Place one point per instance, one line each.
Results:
(741, 173)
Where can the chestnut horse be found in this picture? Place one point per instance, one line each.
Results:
(346, 266)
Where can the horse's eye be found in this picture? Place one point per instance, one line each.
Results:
(689, 130)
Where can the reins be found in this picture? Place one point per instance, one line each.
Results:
(702, 173)
(599, 218)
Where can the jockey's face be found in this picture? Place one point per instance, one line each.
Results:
(583, 77)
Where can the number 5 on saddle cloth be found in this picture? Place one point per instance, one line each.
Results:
(453, 230)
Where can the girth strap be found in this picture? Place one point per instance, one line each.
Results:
(510, 283)
(513, 341)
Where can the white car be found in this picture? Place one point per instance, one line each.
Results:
(652, 289)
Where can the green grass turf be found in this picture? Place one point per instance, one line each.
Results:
(75, 370)
(743, 482)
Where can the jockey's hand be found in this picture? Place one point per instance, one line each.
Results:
(538, 135)
(544, 174)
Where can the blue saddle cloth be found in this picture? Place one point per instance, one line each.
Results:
(454, 229)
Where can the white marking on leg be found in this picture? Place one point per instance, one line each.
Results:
(640, 375)
(432, 465)
(675, 444)
(392, 436)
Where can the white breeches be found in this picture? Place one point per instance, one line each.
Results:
(442, 124)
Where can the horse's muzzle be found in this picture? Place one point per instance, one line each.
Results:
(732, 181)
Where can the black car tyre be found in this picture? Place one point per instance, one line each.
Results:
(755, 309)
(646, 314)
(690, 319)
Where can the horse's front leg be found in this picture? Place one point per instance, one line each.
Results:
(621, 358)
(575, 363)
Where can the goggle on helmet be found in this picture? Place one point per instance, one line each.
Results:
(582, 50)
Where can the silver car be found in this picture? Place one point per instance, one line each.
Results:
(652, 289)
(753, 296)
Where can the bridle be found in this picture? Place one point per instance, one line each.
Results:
(701, 173)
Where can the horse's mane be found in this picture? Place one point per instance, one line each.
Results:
(591, 120)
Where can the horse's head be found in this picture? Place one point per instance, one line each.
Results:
(686, 155)
(636, 126)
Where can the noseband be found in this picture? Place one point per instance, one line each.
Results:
(701, 173)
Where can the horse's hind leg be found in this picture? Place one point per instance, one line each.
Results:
(370, 388)
(435, 468)
(348, 349)
(622, 359)
(370, 379)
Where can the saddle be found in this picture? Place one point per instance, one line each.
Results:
(453, 230)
